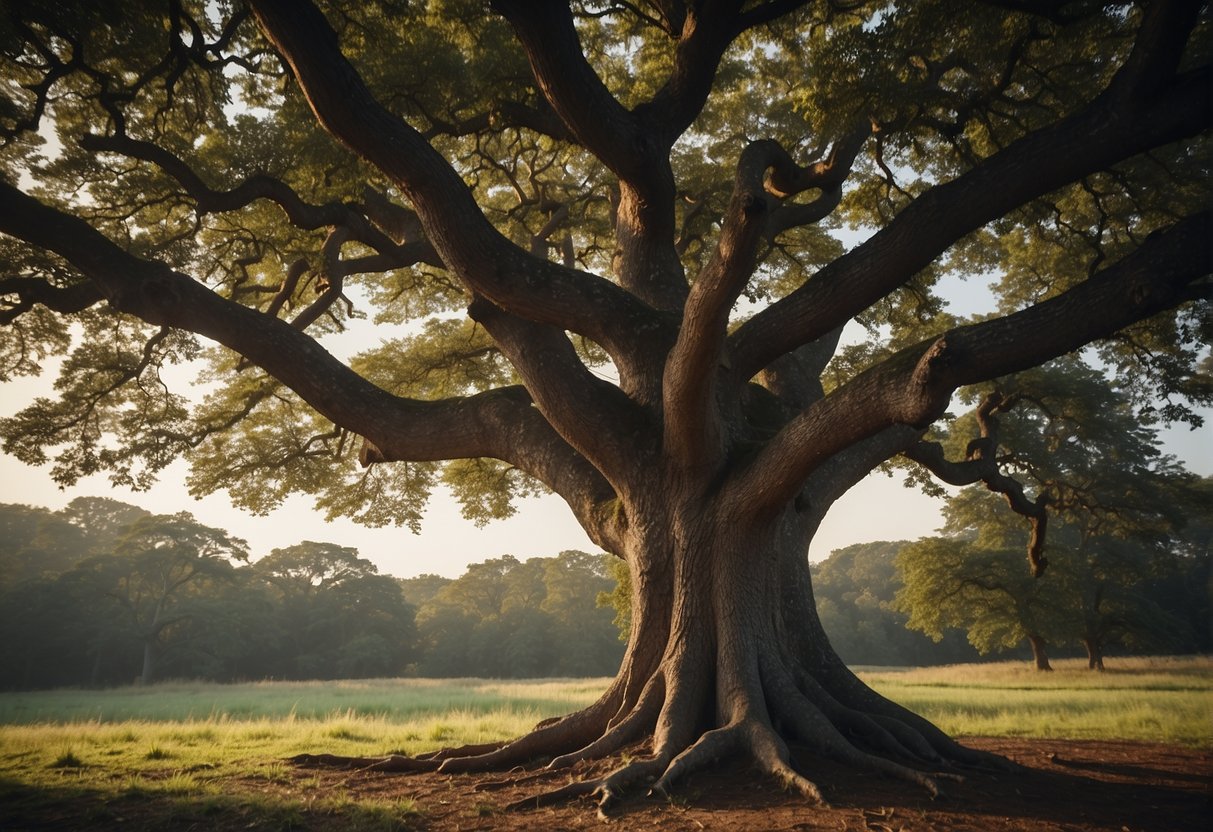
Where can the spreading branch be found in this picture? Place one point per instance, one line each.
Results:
(33, 291)
(981, 465)
(498, 424)
(486, 262)
(913, 387)
(1111, 128)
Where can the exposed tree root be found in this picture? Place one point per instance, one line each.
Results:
(868, 734)
(764, 700)
(849, 686)
(624, 731)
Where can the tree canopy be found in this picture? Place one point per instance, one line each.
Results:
(683, 265)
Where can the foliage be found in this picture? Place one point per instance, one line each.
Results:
(512, 619)
(987, 593)
(100, 602)
(854, 589)
(598, 249)
(1119, 511)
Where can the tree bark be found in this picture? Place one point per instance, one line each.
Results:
(1040, 656)
(149, 661)
(1094, 653)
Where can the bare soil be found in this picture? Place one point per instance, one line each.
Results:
(1065, 785)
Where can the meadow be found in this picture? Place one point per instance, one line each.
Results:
(207, 745)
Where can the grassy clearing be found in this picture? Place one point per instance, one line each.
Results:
(196, 754)
(1148, 699)
(211, 755)
(396, 700)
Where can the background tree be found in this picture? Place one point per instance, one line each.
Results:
(1118, 505)
(152, 579)
(337, 617)
(950, 583)
(855, 588)
(600, 186)
(105, 521)
(35, 541)
(511, 618)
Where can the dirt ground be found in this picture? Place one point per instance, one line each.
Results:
(1065, 786)
(1071, 786)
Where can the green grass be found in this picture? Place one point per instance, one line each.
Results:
(196, 754)
(1147, 699)
(212, 755)
(392, 699)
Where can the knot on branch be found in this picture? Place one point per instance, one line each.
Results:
(369, 454)
(753, 204)
(937, 357)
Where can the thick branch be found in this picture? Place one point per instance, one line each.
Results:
(913, 387)
(691, 426)
(573, 89)
(827, 176)
(605, 432)
(31, 291)
(1095, 138)
(488, 263)
(498, 424)
(707, 31)
(982, 466)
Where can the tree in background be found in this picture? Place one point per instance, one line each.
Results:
(131, 601)
(855, 588)
(950, 583)
(104, 521)
(1118, 507)
(36, 541)
(155, 575)
(337, 616)
(511, 618)
(634, 205)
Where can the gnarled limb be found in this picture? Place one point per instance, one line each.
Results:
(1109, 129)
(487, 263)
(982, 466)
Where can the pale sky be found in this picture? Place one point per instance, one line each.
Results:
(878, 509)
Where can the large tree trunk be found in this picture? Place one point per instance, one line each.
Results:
(726, 656)
(1040, 656)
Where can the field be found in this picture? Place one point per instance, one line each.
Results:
(191, 754)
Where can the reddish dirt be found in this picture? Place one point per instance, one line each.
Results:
(1066, 785)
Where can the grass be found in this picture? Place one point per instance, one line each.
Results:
(1166, 700)
(212, 755)
(392, 699)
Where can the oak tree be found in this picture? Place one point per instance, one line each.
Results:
(610, 224)
(1117, 509)
(152, 578)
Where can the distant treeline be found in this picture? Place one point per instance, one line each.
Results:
(104, 593)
